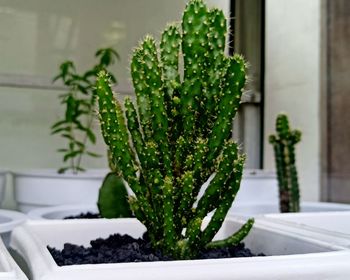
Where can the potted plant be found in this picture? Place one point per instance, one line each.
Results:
(71, 183)
(165, 149)
(284, 142)
(284, 246)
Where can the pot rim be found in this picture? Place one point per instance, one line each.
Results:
(14, 219)
(52, 173)
(38, 213)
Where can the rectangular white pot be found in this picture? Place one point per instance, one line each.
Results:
(45, 187)
(335, 226)
(291, 255)
(257, 186)
(9, 270)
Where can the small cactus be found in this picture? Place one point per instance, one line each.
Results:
(179, 133)
(284, 147)
(113, 198)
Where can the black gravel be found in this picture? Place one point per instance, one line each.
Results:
(124, 248)
(87, 215)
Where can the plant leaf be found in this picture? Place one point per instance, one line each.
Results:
(91, 154)
(57, 124)
(80, 169)
(82, 89)
(107, 56)
(68, 136)
(71, 155)
(59, 76)
(62, 170)
(70, 110)
(80, 144)
(55, 131)
(91, 135)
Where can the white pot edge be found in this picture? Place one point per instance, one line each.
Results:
(15, 219)
(331, 205)
(326, 236)
(259, 174)
(40, 213)
(333, 236)
(52, 173)
(13, 272)
(24, 241)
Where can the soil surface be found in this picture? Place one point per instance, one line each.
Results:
(87, 215)
(124, 248)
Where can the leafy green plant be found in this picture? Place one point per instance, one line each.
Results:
(179, 133)
(284, 142)
(80, 99)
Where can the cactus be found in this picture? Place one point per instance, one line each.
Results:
(112, 198)
(179, 133)
(284, 147)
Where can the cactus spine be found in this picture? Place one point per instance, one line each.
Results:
(284, 142)
(168, 145)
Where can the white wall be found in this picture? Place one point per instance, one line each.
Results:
(37, 35)
(293, 60)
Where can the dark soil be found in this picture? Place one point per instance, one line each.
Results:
(87, 215)
(124, 248)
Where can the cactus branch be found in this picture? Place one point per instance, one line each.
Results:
(283, 143)
(234, 239)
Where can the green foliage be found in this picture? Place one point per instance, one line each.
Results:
(284, 142)
(79, 101)
(113, 198)
(179, 133)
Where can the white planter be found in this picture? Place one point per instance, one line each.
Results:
(2, 185)
(334, 224)
(257, 186)
(62, 211)
(8, 221)
(9, 270)
(257, 209)
(293, 256)
(43, 188)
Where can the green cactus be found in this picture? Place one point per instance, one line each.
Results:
(284, 147)
(179, 133)
(112, 198)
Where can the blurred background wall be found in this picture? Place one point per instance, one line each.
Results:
(293, 81)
